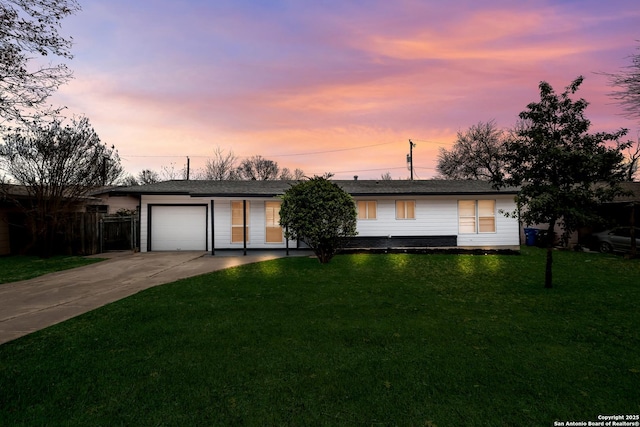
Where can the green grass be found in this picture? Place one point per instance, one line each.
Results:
(14, 268)
(444, 340)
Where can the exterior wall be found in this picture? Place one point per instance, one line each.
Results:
(5, 244)
(116, 203)
(507, 229)
(434, 216)
(438, 216)
(256, 219)
(220, 233)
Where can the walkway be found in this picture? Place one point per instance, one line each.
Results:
(35, 304)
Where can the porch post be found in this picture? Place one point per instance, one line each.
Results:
(286, 239)
(213, 232)
(244, 225)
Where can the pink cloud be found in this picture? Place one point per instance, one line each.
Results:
(284, 79)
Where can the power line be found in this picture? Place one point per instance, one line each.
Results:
(276, 155)
(430, 142)
(332, 151)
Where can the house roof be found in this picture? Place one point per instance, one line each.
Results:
(200, 188)
(634, 192)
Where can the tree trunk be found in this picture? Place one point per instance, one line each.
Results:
(632, 220)
(548, 273)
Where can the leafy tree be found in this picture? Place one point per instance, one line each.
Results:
(258, 168)
(476, 154)
(628, 82)
(57, 165)
(28, 29)
(563, 171)
(319, 213)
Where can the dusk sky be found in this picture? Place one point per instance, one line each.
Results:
(332, 86)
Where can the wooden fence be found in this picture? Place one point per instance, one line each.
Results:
(79, 233)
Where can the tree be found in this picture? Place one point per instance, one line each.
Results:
(169, 173)
(631, 163)
(628, 82)
(563, 171)
(57, 165)
(29, 28)
(476, 154)
(386, 176)
(128, 181)
(221, 167)
(286, 175)
(147, 176)
(258, 168)
(319, 213)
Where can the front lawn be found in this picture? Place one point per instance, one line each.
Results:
(14, 268)
(423, 340)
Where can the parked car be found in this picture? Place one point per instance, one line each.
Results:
(616, 240)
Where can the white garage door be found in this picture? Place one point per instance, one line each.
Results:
(178, 228)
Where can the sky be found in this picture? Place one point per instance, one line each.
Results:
(337, 86)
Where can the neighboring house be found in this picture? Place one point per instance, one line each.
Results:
(210, 215)
(110, 203)
(81, 231)
(11, 218)
(621, 211)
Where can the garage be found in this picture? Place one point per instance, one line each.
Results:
(178, 227)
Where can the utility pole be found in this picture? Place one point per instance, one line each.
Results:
(188, 163)
(410, 158)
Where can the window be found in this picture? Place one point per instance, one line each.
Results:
(476, 216)
(237, 220)
(405, 209)
(367, 209)
(273, 233)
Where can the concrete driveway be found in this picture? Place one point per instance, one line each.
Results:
(35, 304)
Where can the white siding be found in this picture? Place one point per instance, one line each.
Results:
(435, 216)
(256, 222)
(438, 216)
(507, 229)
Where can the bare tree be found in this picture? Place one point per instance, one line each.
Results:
(476, 154)
(170, 173)
(258, 168)
(56, 166)
(386, 176)
(148, 176)
(631, 163)
(221, 167)
(628, 82)
(287, 175)
(128, 181)
(29, 29)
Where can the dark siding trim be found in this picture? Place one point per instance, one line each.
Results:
(374, 242)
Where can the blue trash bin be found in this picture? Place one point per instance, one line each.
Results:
(531, 235)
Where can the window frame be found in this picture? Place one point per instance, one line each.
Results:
(477, 217)
(367, 211)
(405, 204)
(236, 226)
(276, 216)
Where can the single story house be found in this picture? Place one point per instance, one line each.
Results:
(212, 215)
